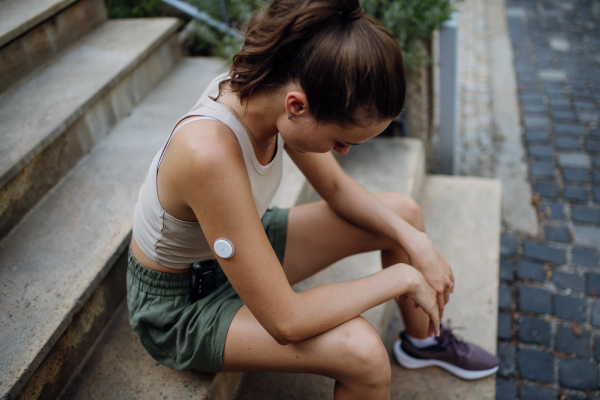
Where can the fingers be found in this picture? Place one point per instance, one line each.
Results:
(434, 318)
(447, 294)
(441, 304)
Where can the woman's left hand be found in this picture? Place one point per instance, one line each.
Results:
(436, 270)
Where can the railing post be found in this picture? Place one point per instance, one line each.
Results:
(448, 124)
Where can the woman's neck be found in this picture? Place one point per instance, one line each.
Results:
(258, 113)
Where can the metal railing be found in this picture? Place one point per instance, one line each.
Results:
(204, 17)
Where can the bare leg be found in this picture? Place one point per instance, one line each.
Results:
(351, 353)
(318, 237)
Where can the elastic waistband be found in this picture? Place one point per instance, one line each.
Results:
(163, 283)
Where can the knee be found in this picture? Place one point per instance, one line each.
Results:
(406, 207)
(364, 356)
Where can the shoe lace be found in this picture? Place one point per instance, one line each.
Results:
(450, 338)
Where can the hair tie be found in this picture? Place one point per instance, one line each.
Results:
(356, 14)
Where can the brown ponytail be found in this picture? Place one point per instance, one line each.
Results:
(346, 63)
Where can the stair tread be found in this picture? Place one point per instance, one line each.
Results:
(18, 16)
(119, 366)
(462, 216)
(37, 112)
(46, 274)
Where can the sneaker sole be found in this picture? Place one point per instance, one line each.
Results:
(414, 363)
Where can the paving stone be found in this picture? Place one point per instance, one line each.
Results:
(575, 175)
(534, 300)
(544, 253)
(534, 331)
(534, 108)
(569, 129)
(586, 214)
(552, 210)
(597, 349)
(557, 234)
(535, 122)
(531, 392)
(585, 257)
(569, 308)
(505, 390)
(505, 322)
(541, 169)
(536, 365)
(504, 297)
(536, 136)
(597, 161)
(578, 374)
(568, 343)
(541, 151)
(597, 194)
(563, 115)
(545, 189)
(596, 313)
(575, 160)
(587, 235)
(567, 143)
(592, 145)
(596, 178)
(530, 270)
(576, 397)
(507, 355)
(506, 271)
(575, 193)
(566, 280)
(559, 103)
(508, 245)
(593, 284)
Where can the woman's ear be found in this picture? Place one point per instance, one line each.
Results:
(296, 103)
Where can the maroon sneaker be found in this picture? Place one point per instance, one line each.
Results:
(460, 358)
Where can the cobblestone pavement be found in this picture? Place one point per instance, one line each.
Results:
(549, 320)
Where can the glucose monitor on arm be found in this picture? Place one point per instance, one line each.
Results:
(223, 248)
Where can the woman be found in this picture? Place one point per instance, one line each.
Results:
(312, 76)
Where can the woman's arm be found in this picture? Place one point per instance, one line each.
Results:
(356, 204)
(213, 181)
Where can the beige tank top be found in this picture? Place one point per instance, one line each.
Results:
(175, 243)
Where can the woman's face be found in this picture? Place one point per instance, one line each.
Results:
(305, 135)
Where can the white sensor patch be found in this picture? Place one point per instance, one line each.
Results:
(223, 248)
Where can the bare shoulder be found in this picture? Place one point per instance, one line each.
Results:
(202, 148)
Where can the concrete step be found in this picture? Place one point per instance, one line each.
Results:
(120, 368)
(462, 216)
(381, 165)
(50, 122)
(52, 263)
(34, 31)
(19, 16)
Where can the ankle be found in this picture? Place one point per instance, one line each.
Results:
(421, 343)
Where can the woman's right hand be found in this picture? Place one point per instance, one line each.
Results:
(423, 295)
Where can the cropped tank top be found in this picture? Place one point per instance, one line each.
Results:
(175, 243)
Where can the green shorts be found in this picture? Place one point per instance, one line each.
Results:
(181, 334)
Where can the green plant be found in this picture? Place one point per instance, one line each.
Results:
(204, 40)
(411, 22)
(134, 8)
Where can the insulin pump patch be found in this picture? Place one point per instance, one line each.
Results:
(223, 248)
